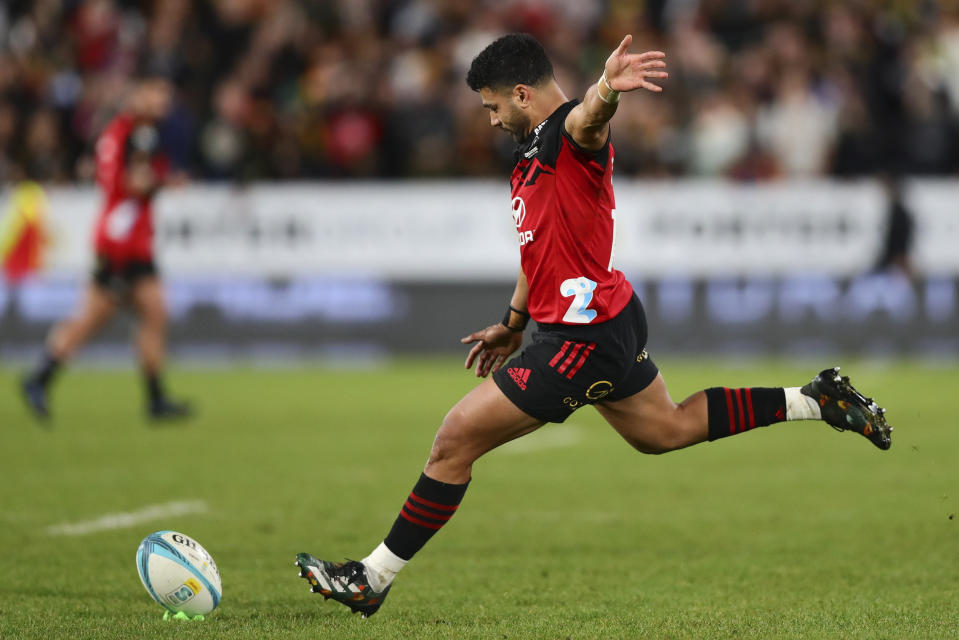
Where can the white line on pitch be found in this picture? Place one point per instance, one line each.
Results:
(553, 436)
(127, 518)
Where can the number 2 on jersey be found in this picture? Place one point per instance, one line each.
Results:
(581, 289)
(120, 221)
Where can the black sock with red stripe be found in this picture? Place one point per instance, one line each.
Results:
(430, 505)
(733, 411)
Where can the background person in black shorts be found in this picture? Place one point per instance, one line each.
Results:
(591, 344)
(130, 169)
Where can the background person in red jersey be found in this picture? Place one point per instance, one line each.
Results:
(590, 347)
(130, 168)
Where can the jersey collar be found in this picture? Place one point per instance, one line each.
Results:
(529, 147)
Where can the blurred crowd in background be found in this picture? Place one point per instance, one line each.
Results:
(289, 89)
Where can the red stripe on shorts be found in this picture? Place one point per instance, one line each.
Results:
(588, 350)
(572, 356)
(560, 353)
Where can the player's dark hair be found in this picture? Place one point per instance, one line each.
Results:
(514, 59)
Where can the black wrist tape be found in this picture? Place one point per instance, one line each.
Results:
(507, 319)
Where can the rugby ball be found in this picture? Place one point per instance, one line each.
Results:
(179, 573)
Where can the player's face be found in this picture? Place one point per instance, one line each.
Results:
(153, 99)
(505, 114)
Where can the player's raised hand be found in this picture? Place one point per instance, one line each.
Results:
(494, 344)
(628, 71)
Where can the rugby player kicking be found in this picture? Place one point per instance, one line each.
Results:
(590, 344)
(129, 170)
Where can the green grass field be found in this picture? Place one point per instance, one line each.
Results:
(795, 531)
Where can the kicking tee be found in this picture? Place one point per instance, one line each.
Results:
(565, 215)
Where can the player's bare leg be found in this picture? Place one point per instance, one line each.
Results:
(150, 305)
(96, 308)
(151, 330)
(480, 422)
(652, 423)
(483, 420)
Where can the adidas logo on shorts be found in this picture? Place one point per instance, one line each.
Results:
(519, 376)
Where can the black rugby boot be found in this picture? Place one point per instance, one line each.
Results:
(345, 582)
(165, 409)
(844, 408)
(35, 395)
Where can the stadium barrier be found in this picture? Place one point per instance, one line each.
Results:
(360, 268)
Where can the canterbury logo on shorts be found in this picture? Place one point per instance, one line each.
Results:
(571, 357)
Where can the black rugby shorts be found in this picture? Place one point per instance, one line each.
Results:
(119, 277)
(567, 366)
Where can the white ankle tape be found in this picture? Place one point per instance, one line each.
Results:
(800, 406)
(384, 560)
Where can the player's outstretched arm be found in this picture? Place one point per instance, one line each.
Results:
(588, 123)
(495, 343)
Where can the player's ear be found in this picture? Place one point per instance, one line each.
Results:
(521, 95)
